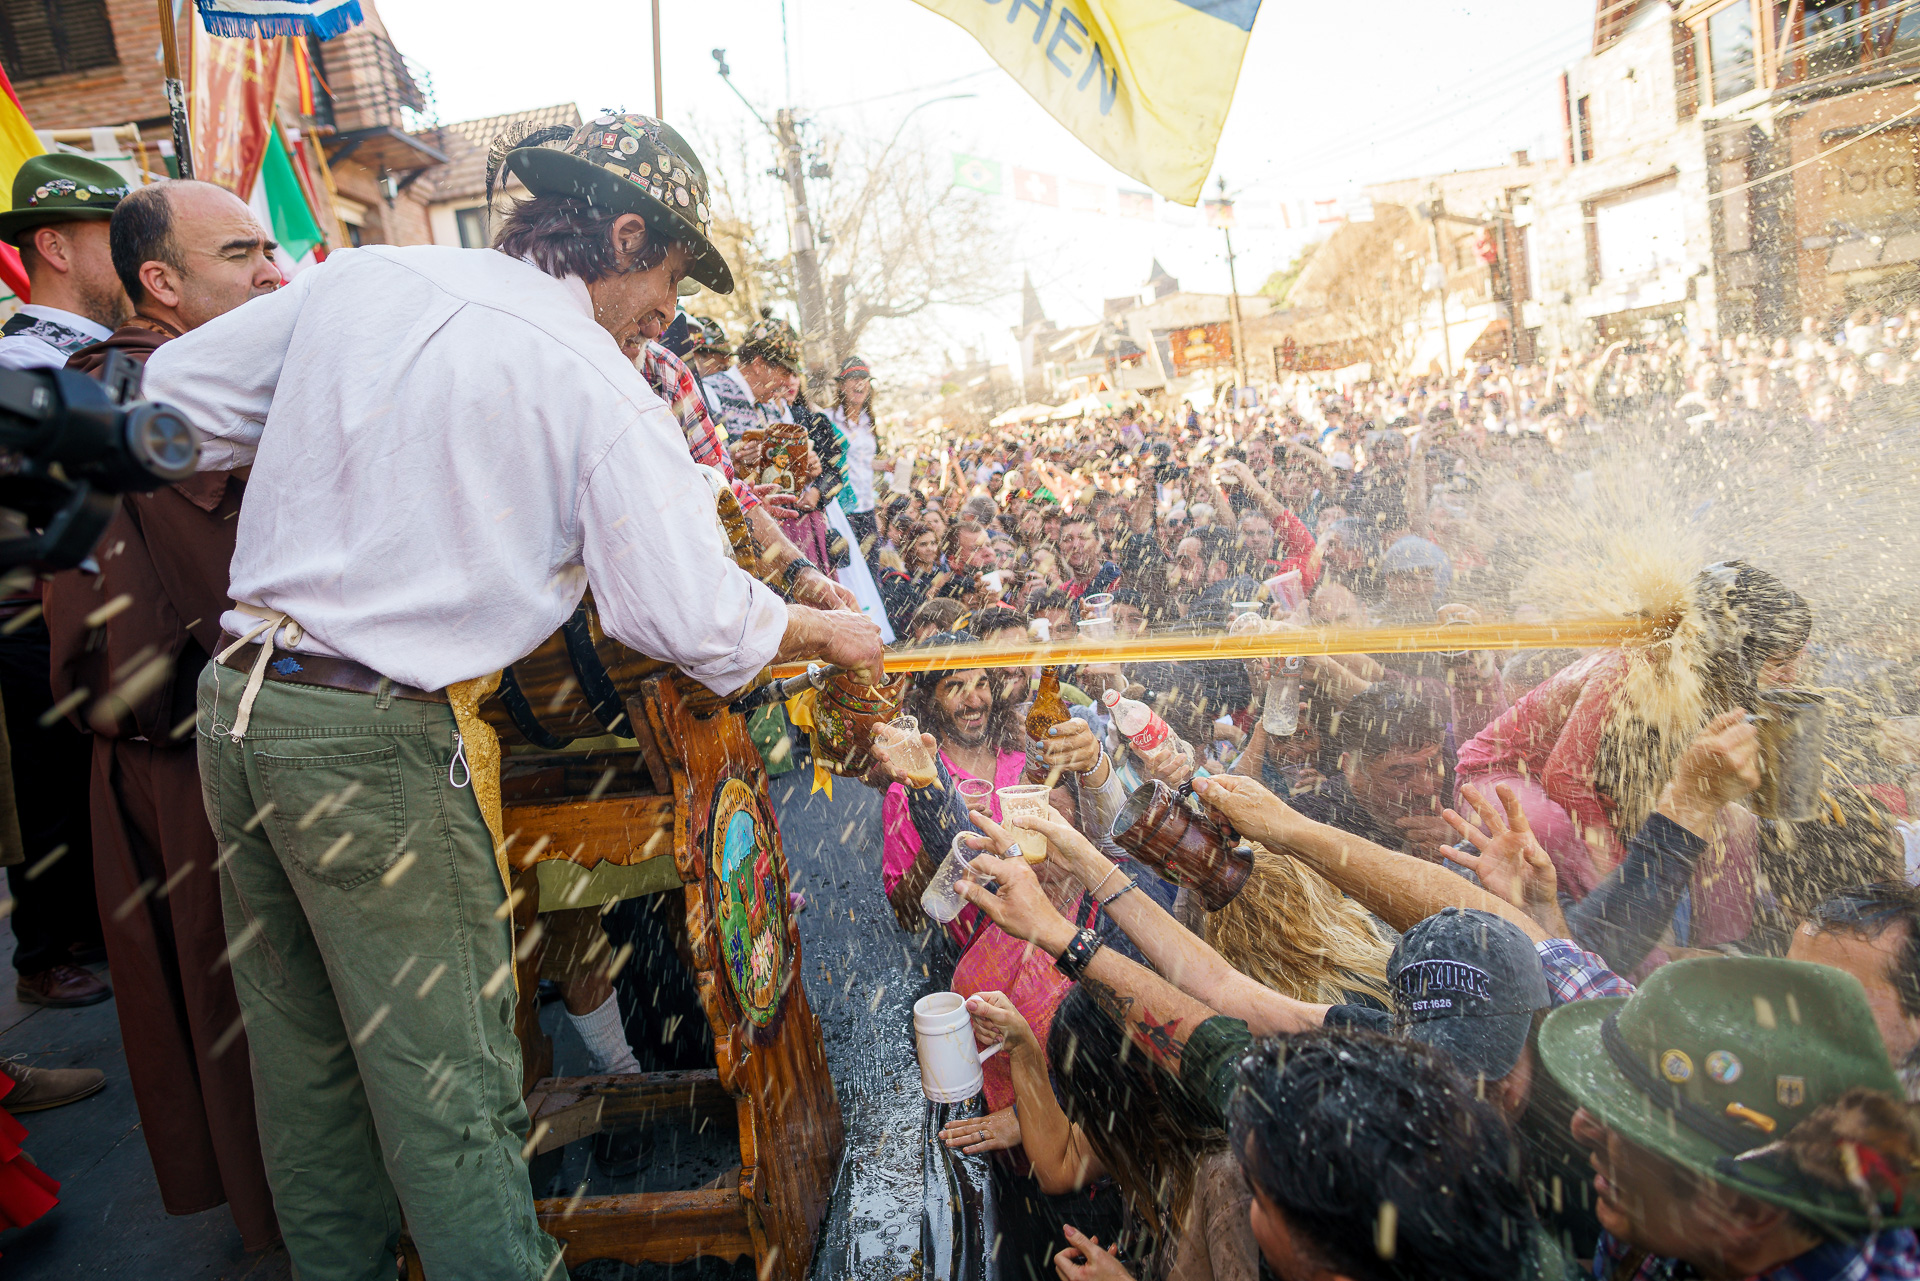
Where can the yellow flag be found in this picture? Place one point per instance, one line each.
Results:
(1145, 83)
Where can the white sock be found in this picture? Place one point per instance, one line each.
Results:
(606, 1040)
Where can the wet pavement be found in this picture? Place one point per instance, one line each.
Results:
(862, 973)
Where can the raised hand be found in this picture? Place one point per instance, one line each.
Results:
(1510, 861)
(1020, 907)
(1720, 766)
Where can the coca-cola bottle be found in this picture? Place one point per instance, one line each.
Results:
(1160, 750)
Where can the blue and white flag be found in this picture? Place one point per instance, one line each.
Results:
(261, 19)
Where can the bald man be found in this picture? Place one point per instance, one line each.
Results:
(186, 252)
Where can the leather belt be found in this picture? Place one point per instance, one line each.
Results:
(328, 673)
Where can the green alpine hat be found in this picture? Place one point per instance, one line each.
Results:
(774, 341)
(635, 164)
(61, 187)
(1714, 1062)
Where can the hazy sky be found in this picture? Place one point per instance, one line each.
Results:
(1331, 96)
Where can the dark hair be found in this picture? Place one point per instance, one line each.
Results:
(942, 611)
(1850, 840)
(1772, 621)
(1332, 1127)
(142, 232)
(959, 527)
(1051, 598)
(1392, 716)
(1870, 910)
(1082, 517)
(998, 618)
(569, 236)
(1148, 1136)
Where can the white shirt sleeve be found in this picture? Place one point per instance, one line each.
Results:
(222, 375)
(662, 577)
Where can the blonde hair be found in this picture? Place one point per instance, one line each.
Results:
(1291, 930)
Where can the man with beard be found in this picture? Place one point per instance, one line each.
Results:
(58, 222)
(977, 733)
(61, 204)
(448, 449)
(1089, 572)
(187, 252)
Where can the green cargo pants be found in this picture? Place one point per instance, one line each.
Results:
(361, 900)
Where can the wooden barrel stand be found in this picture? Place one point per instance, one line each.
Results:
(709, 813)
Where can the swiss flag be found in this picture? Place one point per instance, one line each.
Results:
(1036, 188)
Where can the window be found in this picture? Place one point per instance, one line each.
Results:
(473, 227)
(1830, 37)
(1583, 128)
(1730, 47)
(50, 37)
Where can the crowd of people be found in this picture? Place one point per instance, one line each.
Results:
(1503, 993)
(1514, 980)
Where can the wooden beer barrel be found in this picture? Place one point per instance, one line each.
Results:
(576, 683)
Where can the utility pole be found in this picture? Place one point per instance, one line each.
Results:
(1233, 296)
(1435, 210)
(806, 262)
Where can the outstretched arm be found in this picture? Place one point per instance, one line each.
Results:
(1158, 1016)
(1173, 950)
(1398, 888)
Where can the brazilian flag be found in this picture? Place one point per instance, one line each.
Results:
(1145, 83)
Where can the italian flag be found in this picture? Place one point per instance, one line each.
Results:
(281, 204)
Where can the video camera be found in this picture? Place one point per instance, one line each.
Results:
(69, 446)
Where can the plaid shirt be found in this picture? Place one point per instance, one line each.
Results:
(1893, 1255)
(667, 374)
(1574, 975)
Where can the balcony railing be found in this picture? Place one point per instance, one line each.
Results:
(1824, 42)
(370, 85)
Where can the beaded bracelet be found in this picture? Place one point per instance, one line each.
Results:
(1130, 885)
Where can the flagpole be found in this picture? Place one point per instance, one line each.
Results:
(659, 96)
(176, 92)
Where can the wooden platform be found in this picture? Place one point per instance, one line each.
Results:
(712, 816)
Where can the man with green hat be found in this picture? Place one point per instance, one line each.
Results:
(448, 448)
(1744, 1121)
(58, 222)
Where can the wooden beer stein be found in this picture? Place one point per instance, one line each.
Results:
(1174, 835)
(843, 719)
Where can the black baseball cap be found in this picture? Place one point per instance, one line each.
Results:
(1468, 982)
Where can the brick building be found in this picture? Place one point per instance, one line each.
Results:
(78, 64)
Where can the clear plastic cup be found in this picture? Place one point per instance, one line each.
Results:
(910, 754)
(1098, 605)
(1026, 801)
(978, 795)
(941, 899)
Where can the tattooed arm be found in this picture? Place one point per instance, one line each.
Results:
(1156, 1014)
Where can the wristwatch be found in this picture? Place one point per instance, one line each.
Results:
(795, 567)
(1074, 961)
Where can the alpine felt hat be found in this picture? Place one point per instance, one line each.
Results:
(1715, 1061)
(60, 188)
(635, 164)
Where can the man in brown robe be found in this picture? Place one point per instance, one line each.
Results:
(186, 252)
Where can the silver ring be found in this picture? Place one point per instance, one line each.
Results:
(1013, 850)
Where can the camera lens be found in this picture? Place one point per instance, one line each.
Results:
(163, 441)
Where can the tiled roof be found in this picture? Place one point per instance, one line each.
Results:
(465, 144)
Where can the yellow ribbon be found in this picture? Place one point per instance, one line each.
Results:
(800, 712)
(482, 748)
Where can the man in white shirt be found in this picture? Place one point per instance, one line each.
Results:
(58, 221)
(447, 447)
